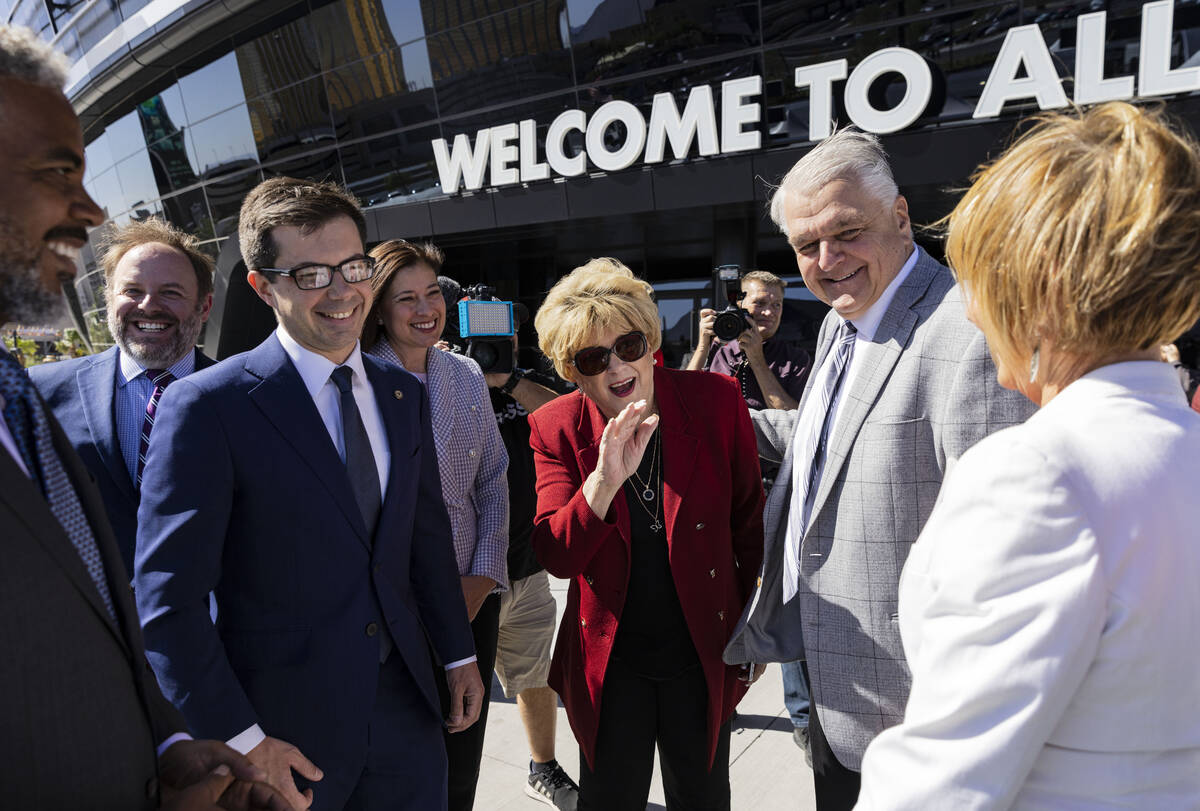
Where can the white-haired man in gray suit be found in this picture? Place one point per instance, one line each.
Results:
(903, 385)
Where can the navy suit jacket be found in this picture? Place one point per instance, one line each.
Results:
(81, 393)
(244, 495)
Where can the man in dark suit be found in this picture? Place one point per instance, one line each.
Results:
(158, 292)
(299, 483)
(84, 723)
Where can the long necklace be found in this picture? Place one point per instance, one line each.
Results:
(650, 487)
(647, 490)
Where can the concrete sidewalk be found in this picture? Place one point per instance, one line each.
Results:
(766, 771)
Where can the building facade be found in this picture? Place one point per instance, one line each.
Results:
(526, 136)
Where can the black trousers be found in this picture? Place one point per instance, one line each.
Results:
(836, 786)
(637, 712)
(464, 750)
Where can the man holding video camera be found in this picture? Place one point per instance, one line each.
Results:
(771, 371)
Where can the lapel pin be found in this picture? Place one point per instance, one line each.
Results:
(399, 394)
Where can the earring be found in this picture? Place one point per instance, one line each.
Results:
(1033, 364)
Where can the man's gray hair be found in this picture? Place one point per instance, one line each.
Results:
(23, 56)
(848, 154)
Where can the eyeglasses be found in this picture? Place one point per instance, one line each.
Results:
(594, 360)
(314, 277)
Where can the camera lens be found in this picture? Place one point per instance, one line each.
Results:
(485, 355)
(729, 324)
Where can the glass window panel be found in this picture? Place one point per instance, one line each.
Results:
(224, 143)
(294, 119)
(785, 20)
(94, 24)
(501, 58)
(277, 59)
(225, 200)
(351, 30)
(91, 290)
(626, 36)
(98, 155)
(106, 191)
(441, 16)
(379, 95)
(125, 136)
(172, 163)
(396, 165)
(137, 181)
(322, 165)
(189, 211)
(131, 7)
(215, 87)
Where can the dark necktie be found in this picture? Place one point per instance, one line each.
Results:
(808, 463)
(161, 379)
(30, 429)
(360, 461)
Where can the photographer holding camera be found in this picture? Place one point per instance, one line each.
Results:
(770, 370)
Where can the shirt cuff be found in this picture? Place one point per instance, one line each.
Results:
(247, 740)
(460, 663)
(176, 738)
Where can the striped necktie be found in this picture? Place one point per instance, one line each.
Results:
(161, 379)
(805, 476)
(30, 429)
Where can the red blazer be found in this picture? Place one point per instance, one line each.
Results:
(712, 502)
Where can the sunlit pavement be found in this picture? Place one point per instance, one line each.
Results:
(767, 771)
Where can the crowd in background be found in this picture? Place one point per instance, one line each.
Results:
(961, 522)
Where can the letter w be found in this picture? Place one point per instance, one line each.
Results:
(462, 162)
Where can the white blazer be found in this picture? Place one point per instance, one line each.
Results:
(1050, 613)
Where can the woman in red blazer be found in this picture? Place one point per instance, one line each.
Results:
(650, 501)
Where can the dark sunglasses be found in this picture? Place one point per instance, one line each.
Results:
(594, 360)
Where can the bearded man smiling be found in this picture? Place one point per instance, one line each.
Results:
(159, 292)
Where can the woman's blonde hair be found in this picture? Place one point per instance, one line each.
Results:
(592, 298)
(1086, 232)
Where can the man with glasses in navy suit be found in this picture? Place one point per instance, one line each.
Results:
(158, 293)
(298, 482)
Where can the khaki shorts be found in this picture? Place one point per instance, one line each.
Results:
(527, 619)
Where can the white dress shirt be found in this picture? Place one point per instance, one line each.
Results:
(1050, 613)
(866, 326)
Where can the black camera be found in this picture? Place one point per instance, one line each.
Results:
(488, 326)
(727, 285)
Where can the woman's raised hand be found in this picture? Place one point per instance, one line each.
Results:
(624, 442)
(621, 449)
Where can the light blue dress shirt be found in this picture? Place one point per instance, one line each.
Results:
(133, 390)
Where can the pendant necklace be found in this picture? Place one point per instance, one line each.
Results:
(649, 487)
(648, 491)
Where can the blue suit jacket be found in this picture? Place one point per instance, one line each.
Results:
(80, 392)
(244, 495)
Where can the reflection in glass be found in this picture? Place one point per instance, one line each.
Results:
(224, 143)
(125, 136)
(619, 37)
(137, 181)
(322, 165)
(189, 211)
(379, 95)
(351, 30)
(215, 87)
(277, 59)
(502, 58)
(396, 165)
(105, 189)
(295, 118)
(98, 155)
(225, 200)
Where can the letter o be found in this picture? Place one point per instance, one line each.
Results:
(918, 79)
(635, 136)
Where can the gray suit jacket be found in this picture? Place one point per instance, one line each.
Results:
(82, 712)
(926, 391)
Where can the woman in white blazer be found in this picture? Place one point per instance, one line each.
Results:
(1050, 609)
(406, 320)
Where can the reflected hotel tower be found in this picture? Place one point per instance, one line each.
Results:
(186, 107)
